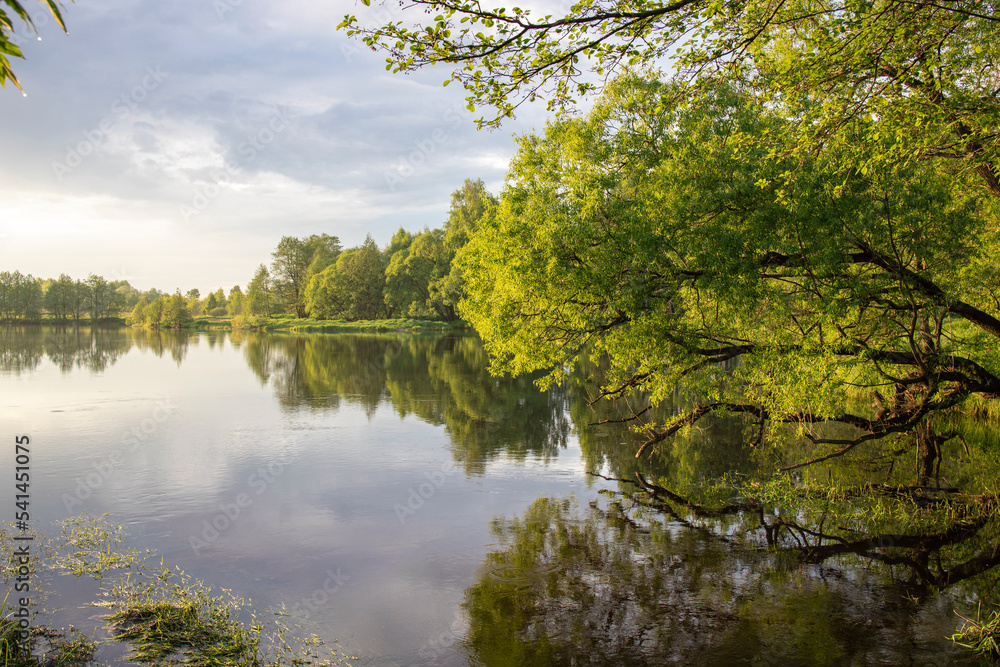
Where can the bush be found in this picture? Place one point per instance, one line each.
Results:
(218, 312)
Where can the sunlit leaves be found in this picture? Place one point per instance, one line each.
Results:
(673, 239)
(9, 48)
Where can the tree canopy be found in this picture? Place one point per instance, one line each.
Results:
(798, 226)
(671, 240)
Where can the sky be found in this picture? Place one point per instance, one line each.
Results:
(172, 144)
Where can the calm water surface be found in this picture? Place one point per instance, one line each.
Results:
(400, 501)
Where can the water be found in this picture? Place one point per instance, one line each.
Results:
(401, 502)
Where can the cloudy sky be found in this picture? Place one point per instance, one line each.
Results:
(172, 144)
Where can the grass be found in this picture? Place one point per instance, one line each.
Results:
(68, 650)
(164, 616)
(979, 635)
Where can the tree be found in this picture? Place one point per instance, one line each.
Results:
(60, 297)
(469, 205)
(294, 263)
(412, 271)
(234, 305)
(400, 293)
(175, 312)
(645, 235)
(152, 315)
(919, 79)
(20, 296)
(137, 316)
(80, 298)
(102, 298)
(220, 298)
(421, 279)
(258, 299)
(7, 47)
(351, 289)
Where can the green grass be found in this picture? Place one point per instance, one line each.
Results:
(980, 636)
(164, 616)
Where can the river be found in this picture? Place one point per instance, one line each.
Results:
(409, 508)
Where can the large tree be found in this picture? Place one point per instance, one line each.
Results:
(353, 288)
(259, 298)
(649, 234)
(296, 261)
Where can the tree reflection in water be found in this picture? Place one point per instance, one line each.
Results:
(645, 579)
(440, 379)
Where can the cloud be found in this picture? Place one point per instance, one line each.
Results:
(288, 125)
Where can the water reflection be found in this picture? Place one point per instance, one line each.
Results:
(442, 380)
(641, 577)
(22, 349)
(618, 584)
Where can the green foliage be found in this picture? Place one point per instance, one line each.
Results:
(981, 635)
(165, 617)
(9, 49)
(421, 278)
(259, 296)
(20, 297)
(234, 305)
(670, 239)
(351, 289)
(295, 262)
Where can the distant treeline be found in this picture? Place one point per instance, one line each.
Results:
(24, 298)
(411, 277)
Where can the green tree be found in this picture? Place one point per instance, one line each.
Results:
(259, 298)
(294, 263)
(400, 293)
(102, 298)
(137, 316)
(421, 279)
(234, 305)
(59, 297)
(413, 269)
(469, 205)
(152, 315)
(79, 299)
(645, 234)
(9, 49)
(175, 312)
(220, 298)
(20, 296)
(351, 289)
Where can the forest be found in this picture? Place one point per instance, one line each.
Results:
(412, 277)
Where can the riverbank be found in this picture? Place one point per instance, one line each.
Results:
(306, 325)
